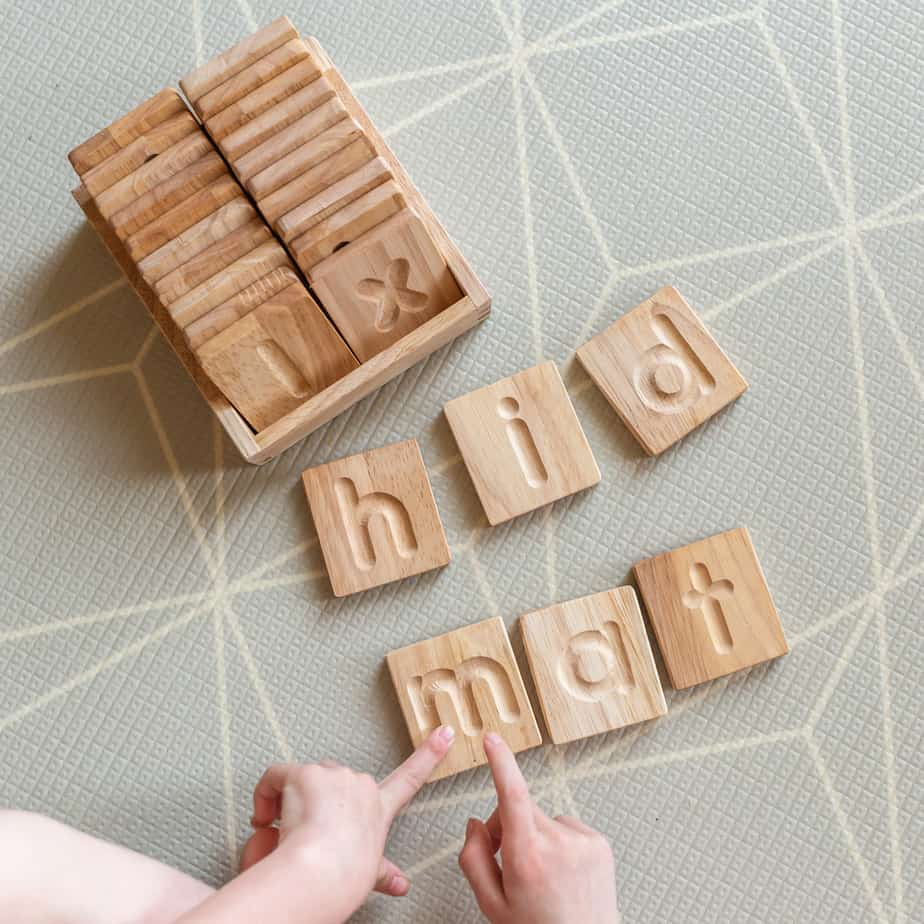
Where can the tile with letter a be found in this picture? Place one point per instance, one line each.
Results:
(710, 608)
(276, 357)
(592, 665)
(469, 679)
(661, 370)
(522, 443)
(384, 284)
(376, 517)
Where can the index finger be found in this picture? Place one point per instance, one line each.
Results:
(514, 804)
(406, 780)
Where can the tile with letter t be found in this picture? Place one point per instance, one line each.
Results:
(661, 370)
(710, 608)
(522, 443)
(376, 517)
(469, 679)
(592, 665)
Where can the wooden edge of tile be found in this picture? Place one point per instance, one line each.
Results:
(234, 425)
(111, 139)
(234, 59)
(468, 282)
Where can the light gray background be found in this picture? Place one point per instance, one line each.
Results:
(166, 626)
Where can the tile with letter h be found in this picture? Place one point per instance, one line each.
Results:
(376, 517)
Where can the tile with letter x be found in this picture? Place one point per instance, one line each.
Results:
(522, 443)
(468, 679)
(710, 608)
(592, 665)
(376, 517)
(661, 370)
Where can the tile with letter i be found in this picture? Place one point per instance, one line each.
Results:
(469, 679)
(522, 443)
(661, 370)
(710, 608)
(592, 665)
(376, 517)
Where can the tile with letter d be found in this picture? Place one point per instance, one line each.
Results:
(469, 679)
(376, 517)
(522, 443)
(661, 370)
(592, 665)
(710, 608)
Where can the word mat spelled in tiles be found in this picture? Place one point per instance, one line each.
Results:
(384, 284)
(522, 443)
(376, 517)
(592, 665)
(710, 608)
(469, 679)
(276, 356)
(661, 370)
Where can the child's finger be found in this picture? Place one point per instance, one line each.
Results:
(267, 794)
(391, 879)
(403, 783)
(260, 845)
(514, 804)
(481, 870)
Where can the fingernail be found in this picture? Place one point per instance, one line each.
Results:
(399, 884)
(492, 738)
(447, 733)
(469, 825)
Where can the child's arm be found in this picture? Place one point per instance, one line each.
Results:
(328, 854)
(555, 871)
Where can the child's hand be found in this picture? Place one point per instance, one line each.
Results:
(320, 863)
(555, 871)
(338, 817)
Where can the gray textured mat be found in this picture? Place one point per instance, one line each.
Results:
(166, 628)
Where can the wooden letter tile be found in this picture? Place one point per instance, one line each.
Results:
(385, 284)
(522, 443)
(592, 665)
(661, 370)
(468, 679)
(261, 128)
(710, 608)
(360, 216)
(310, 169)
(235, 59)
(332, 197)
(229, 94)
(276, 357)
(376, 517)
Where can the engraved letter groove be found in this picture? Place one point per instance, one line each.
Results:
(473, 679)
(392, 295)
(595, 664)
(357, 513)
(524, 446)
(705, 596)
(670, 377)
